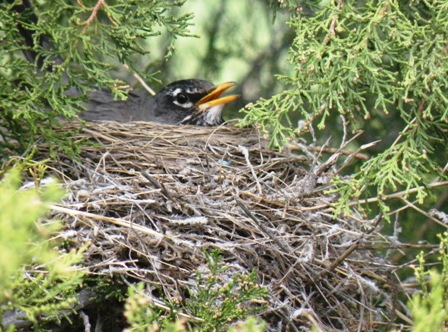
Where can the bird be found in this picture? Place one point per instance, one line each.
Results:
(184, 102)
(189, 101)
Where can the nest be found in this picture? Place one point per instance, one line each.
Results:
(151, 200)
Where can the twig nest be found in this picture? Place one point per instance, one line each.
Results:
(150, 198)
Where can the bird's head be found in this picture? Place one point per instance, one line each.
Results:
(193, 101)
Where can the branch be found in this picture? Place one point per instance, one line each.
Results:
(94, 13)
(396, 195)
(319, 149)
(399, 194)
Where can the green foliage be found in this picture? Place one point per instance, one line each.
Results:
(363, 60)
(42, 293)
(19, 229)
(107, 288)
(213, 304)
(402, 166)
(429, 310)
(251, 324)
(430, 306)
(71, 44)
(50, 285)
(219, 301)
(138, 311)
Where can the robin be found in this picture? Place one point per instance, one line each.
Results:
(191, 101)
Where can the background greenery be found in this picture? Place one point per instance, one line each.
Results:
(51, 284)
(382, 65)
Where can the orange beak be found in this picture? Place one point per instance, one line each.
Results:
(212, 98)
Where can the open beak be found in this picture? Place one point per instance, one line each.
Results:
(213, 97)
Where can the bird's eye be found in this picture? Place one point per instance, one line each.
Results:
(182, 98)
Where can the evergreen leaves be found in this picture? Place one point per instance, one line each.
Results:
(361, 60)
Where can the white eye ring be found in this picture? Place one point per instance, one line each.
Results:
(181, 99)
